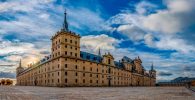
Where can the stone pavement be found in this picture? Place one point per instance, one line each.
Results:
(95, 93)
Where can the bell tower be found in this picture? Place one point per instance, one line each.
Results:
(65, 43)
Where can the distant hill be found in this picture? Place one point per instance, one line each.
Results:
(183, 79)
(7, 75)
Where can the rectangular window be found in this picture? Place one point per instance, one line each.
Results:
(83, 74)
(76, 74)
(65, 40)
(66, 65)
(76, 67)
(66, 80)
(65, 52)
(76, 80)
(83, 68)
(66, 73)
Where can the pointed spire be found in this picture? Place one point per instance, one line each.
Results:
(99, 53)
(152, 67)
(65, 24)
(20, 64)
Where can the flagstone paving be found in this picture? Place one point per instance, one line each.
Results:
(95, 93)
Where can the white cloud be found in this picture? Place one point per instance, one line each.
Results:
(133, 32)
(178, 16)
(104, 42)
(144, 7)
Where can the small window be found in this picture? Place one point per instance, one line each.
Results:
(65, 65)
(66, 80)
(83, 80)
(71, 53)
(76, 67)
(66, 73)
(90, 75)
(65, 46)
(76, 80)
(65, 52)
(91, 81)
(65, 40)
(75, 42)
(83, 68)
(81, 55)
(83, 74)
(70, 41)
(88, 57)
(76, 74)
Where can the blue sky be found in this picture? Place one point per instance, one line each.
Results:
(158, 31)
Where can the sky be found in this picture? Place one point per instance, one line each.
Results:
(161, 32)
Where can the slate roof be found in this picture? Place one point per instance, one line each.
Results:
(90, 57)
(118, 64)
(127, 59)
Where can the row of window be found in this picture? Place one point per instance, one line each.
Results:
(76, 81)
(64, 46)
(66, 40)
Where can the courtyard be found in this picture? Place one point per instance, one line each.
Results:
(95, 93)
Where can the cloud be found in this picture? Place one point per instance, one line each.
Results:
(165, 74)
(145, 7)
(133, 32)
(94, 42)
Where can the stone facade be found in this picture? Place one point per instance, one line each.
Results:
(68, 66)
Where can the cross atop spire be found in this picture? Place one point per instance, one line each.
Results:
(65, 24)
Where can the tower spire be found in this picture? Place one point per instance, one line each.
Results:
(65, 24)
(99, 53)
(20, 64)
(152, 67)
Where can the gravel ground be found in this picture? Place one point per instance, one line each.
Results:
(95, 93)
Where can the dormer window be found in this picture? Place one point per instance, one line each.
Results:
(88, 57)
(81, 55)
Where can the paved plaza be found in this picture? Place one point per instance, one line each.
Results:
(95, 93)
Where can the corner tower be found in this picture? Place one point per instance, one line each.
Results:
(65, 43)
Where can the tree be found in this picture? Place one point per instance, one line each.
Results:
(9, 82)
(3, 81)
